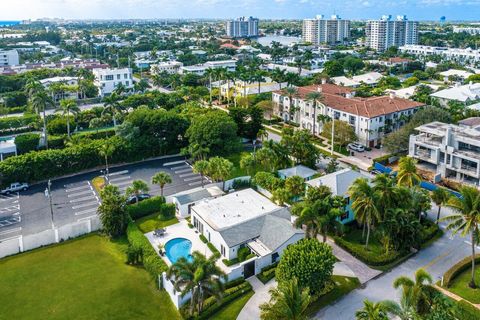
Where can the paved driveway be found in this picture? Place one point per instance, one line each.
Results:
(251, 309)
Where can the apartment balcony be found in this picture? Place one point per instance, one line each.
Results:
(424, 155)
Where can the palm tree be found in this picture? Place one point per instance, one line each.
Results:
(278, 75)
(314, 97)
(112, 104)
(407, 172)
(161, 178)
(291, 92)
(137, 188)
(40, 101)
(401, 311)
(201, 167)
(308, 218)
(386, 190)
(68, 106)
(371, 311)
(287, 301)
(440, 197)
(210, 73)
(106, 150)
(32, 87)
(467, 219)
(262, 134)
(416, 292)
(364, 204)
(219, 169)
(201, 277)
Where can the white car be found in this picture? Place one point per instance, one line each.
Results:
(356, 147)
(15, 187)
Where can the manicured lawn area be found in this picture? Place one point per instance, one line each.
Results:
(343, 285)
(459, 285)
(232, 310)
(151, 222)
(85, 278)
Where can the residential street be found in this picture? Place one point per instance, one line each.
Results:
(436, 259)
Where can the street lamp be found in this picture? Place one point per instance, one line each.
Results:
(48, 194)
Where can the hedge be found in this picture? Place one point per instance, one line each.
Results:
(29, 120)
(145, 207)
(458, 268)
(151, 261)
(214, 250)
(203, 238)
(267, 273)
(465, 311)
(429, 232)
(27, 142)
(368, 257)
(167, 211)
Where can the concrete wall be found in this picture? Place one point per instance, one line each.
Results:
(177, 299)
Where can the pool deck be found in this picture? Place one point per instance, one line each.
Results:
(181, 230)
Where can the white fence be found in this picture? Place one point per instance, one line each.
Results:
(19, 244)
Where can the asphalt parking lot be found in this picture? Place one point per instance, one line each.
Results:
(74, 198)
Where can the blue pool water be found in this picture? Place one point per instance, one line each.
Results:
(178, 248)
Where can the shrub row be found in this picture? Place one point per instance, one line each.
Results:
(267, 273)
(368, 257)
(151, 261)
(214, 250)
(429, 232)
(458, 268)
(145, 207)
(203, 238)
(27, 142)
(29, 120)
(167, 211)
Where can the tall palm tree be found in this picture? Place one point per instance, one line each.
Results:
(407, 172)
(364, 204)
(106, 150)
(68, 106)
(210, 73)
(112, 105)
(279, 76)
(404, 310)
(40, 101)
(287, 301)
(440, 197)
(308, 218)
(466, 220)
(314, 97)
(416, 291)
(386, 190)
(200, 276)
(136, 189)
(371, 311)
(161, 178)
(32, 86)
(201, 167)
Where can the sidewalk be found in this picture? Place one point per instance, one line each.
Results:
(251, 310)
(454, 296)
(363, 272)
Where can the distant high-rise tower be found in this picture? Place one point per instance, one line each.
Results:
(386, 32)
(242, 27)
(328, 31)
(442, 20)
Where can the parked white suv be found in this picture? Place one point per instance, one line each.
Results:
(356, 147)
(15, 187)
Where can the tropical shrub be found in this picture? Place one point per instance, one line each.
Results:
(27, 142)
(145, 207)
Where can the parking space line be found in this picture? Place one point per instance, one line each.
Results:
(10, 231)
(188, 175)
(83, 199)
(73, 195)
(11, 208)
(192, 179)
(86, 211)
(119, 179)
(117, 173)
(173, 163)
(123, 183)
(77, 188)
(180, 167)
(195, 183)
(184, 170)
(83, 205)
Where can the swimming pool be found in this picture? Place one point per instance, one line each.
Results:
(178, 248)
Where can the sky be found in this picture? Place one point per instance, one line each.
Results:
(267, 9)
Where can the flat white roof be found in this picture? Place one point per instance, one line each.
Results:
(234, 208)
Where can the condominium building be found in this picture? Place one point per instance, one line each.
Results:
(386, 32)
(371, 118)
(8, 58)
(325, 31)
(463, 56)
(242, 27)
(470, 30)
(452, 151)
(107, 80)
(169, 67)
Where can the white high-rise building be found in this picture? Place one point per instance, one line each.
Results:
(242, 27)
(8, 58)
(386, 32)
(329, 31)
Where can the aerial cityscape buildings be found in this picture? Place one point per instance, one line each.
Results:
(388, 32)
(243, 27)
(322, 30)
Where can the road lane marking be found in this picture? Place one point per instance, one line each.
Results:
(83, 199)
(431, 263)
(119, 179)
(117, 173)
(123, 183)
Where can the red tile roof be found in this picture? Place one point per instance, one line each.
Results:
(335, 97)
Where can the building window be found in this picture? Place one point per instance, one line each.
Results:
(118, 77)
(222, 250)
(125, 76)
(274, 257)
(109, 77)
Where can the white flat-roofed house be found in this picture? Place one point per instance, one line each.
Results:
(64, 93)
(170, 67)
(184, 201)
(107, 80)
(458, 74)
(453, 151)
(9, 58)
(241, 88)
(370, 79)
(370, 118)
(246, 219)
(200, 69)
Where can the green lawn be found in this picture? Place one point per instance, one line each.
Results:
(85, 278)
(343, 285)
(151, 222)
(237, 171)
(460, 287)
(232, 310)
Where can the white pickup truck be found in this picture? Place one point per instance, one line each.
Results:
(15, 187)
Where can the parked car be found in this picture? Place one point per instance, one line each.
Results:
(141, 197)
(15, 187)
(356, 147)
(375, 171)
